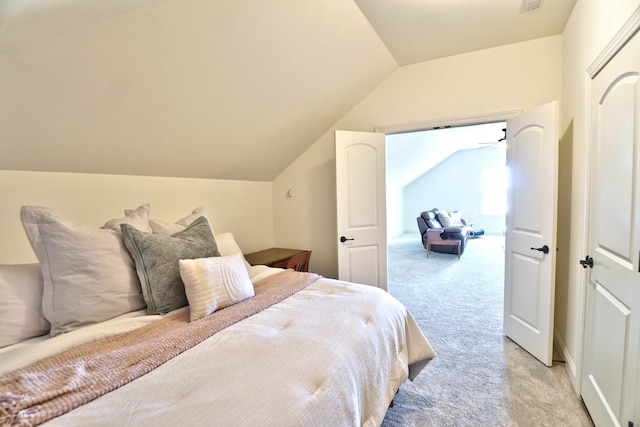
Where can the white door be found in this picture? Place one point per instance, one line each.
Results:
(530, 237)
(612, 330)
(361, 207)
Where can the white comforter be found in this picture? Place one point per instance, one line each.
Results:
(333, 354)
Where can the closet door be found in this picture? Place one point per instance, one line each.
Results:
(612, 329)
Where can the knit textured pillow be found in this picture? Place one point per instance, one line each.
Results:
(156, 257)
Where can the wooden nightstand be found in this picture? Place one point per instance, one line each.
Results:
(274, 257)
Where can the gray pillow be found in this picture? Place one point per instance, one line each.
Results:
(156, 258)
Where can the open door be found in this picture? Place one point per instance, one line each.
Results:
(530, 236)
(361, 207)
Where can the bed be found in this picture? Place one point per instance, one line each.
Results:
(272, 347)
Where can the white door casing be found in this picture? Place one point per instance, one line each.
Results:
(532, 162)
(361, 207)
(611, 372)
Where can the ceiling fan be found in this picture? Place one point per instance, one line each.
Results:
(499, 142)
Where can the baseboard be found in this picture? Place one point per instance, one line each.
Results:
(569, 364)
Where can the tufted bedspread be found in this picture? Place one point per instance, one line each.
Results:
(332, 354)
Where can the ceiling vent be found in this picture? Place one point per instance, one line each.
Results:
(529, 5)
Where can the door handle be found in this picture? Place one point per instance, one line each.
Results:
(544, 249)
(587, 262)
(344, 239)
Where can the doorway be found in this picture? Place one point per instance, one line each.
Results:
(459, 168)
(451, 168)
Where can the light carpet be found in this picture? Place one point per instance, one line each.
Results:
(479, 377)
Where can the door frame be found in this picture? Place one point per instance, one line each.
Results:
(427, 125)
(475, 119)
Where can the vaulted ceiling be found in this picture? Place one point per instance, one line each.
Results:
(416, 31)
(410, 155)
(216, 89)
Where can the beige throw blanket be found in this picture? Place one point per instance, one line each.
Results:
(58, 384)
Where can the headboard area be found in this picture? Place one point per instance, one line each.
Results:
(244, 208)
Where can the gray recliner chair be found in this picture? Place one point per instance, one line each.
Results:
(433, 231)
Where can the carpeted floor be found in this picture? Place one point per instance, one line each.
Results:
(480, 377)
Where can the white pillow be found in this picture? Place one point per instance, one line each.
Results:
(214, 283)
(444, 218)
(21, 315)
(456, 218)
(89, 276)
(227, 246)
(171, 228)
(138, 217)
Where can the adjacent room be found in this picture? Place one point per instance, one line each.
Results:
(459, 169)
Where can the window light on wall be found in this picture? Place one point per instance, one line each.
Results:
(494, 191)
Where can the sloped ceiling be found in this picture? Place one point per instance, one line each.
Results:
(193, 88)
(411, 155)
(209, 88)
(416, 31)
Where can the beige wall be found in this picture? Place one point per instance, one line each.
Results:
(518, 76)
(591, 26)
(241, 207)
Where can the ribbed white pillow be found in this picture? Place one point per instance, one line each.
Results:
(214, 283)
